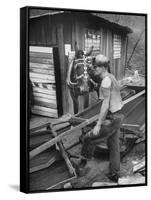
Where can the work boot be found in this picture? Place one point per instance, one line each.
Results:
(112, 177)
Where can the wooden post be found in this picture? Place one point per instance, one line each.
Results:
(63, 86)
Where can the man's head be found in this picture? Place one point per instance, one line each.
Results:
(101, 64)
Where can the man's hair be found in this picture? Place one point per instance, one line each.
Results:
(105, 64)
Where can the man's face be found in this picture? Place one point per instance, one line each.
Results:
(98, 71)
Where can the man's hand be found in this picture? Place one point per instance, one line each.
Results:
(96, 129)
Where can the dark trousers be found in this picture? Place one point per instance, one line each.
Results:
(110, 132)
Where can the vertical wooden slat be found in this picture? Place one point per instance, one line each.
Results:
(63, 86)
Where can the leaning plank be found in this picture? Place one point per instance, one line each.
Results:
(41, 55)
(41, 60)
(50, 96)
(42, 76)
(41, 66)
(42, 71)
(46, 91)
(44, 113)
(40, 49)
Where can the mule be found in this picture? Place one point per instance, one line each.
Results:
(80, 77)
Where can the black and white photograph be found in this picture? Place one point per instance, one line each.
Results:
(86, 101)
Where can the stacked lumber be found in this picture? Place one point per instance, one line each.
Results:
(42, 76)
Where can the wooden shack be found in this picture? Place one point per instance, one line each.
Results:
(52, 37)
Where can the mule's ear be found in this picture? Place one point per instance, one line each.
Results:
(89, 51)
(76, 46)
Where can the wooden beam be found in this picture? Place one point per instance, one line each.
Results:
(60, 40)
(64, 154)
(134, 97)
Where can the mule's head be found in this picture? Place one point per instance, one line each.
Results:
(82, 70)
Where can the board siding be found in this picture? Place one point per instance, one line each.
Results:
(42, 76)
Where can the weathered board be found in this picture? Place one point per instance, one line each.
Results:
(42, 76)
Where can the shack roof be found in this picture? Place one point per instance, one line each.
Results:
(39, 13)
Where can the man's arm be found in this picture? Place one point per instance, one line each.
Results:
(104, 108)
(105, 105)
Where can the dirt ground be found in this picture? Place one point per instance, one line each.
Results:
(97, 167)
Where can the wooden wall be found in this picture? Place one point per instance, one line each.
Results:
(56, 31)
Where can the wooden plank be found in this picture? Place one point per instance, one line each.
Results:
(42, 71)
(46, 96)
(41, 66)
(63, 67)
(41, 91)
(44, 113)
(42, 76)
(64, 154)
(38, 80)
(41, 60)
(41, 108)
(41, 55)
(53, 101)
(54, 158)
(134, 97)
(40, 49)
(45, 104)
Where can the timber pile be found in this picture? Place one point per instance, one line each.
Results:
(42, 76)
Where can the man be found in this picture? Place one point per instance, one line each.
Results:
(110, 117)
